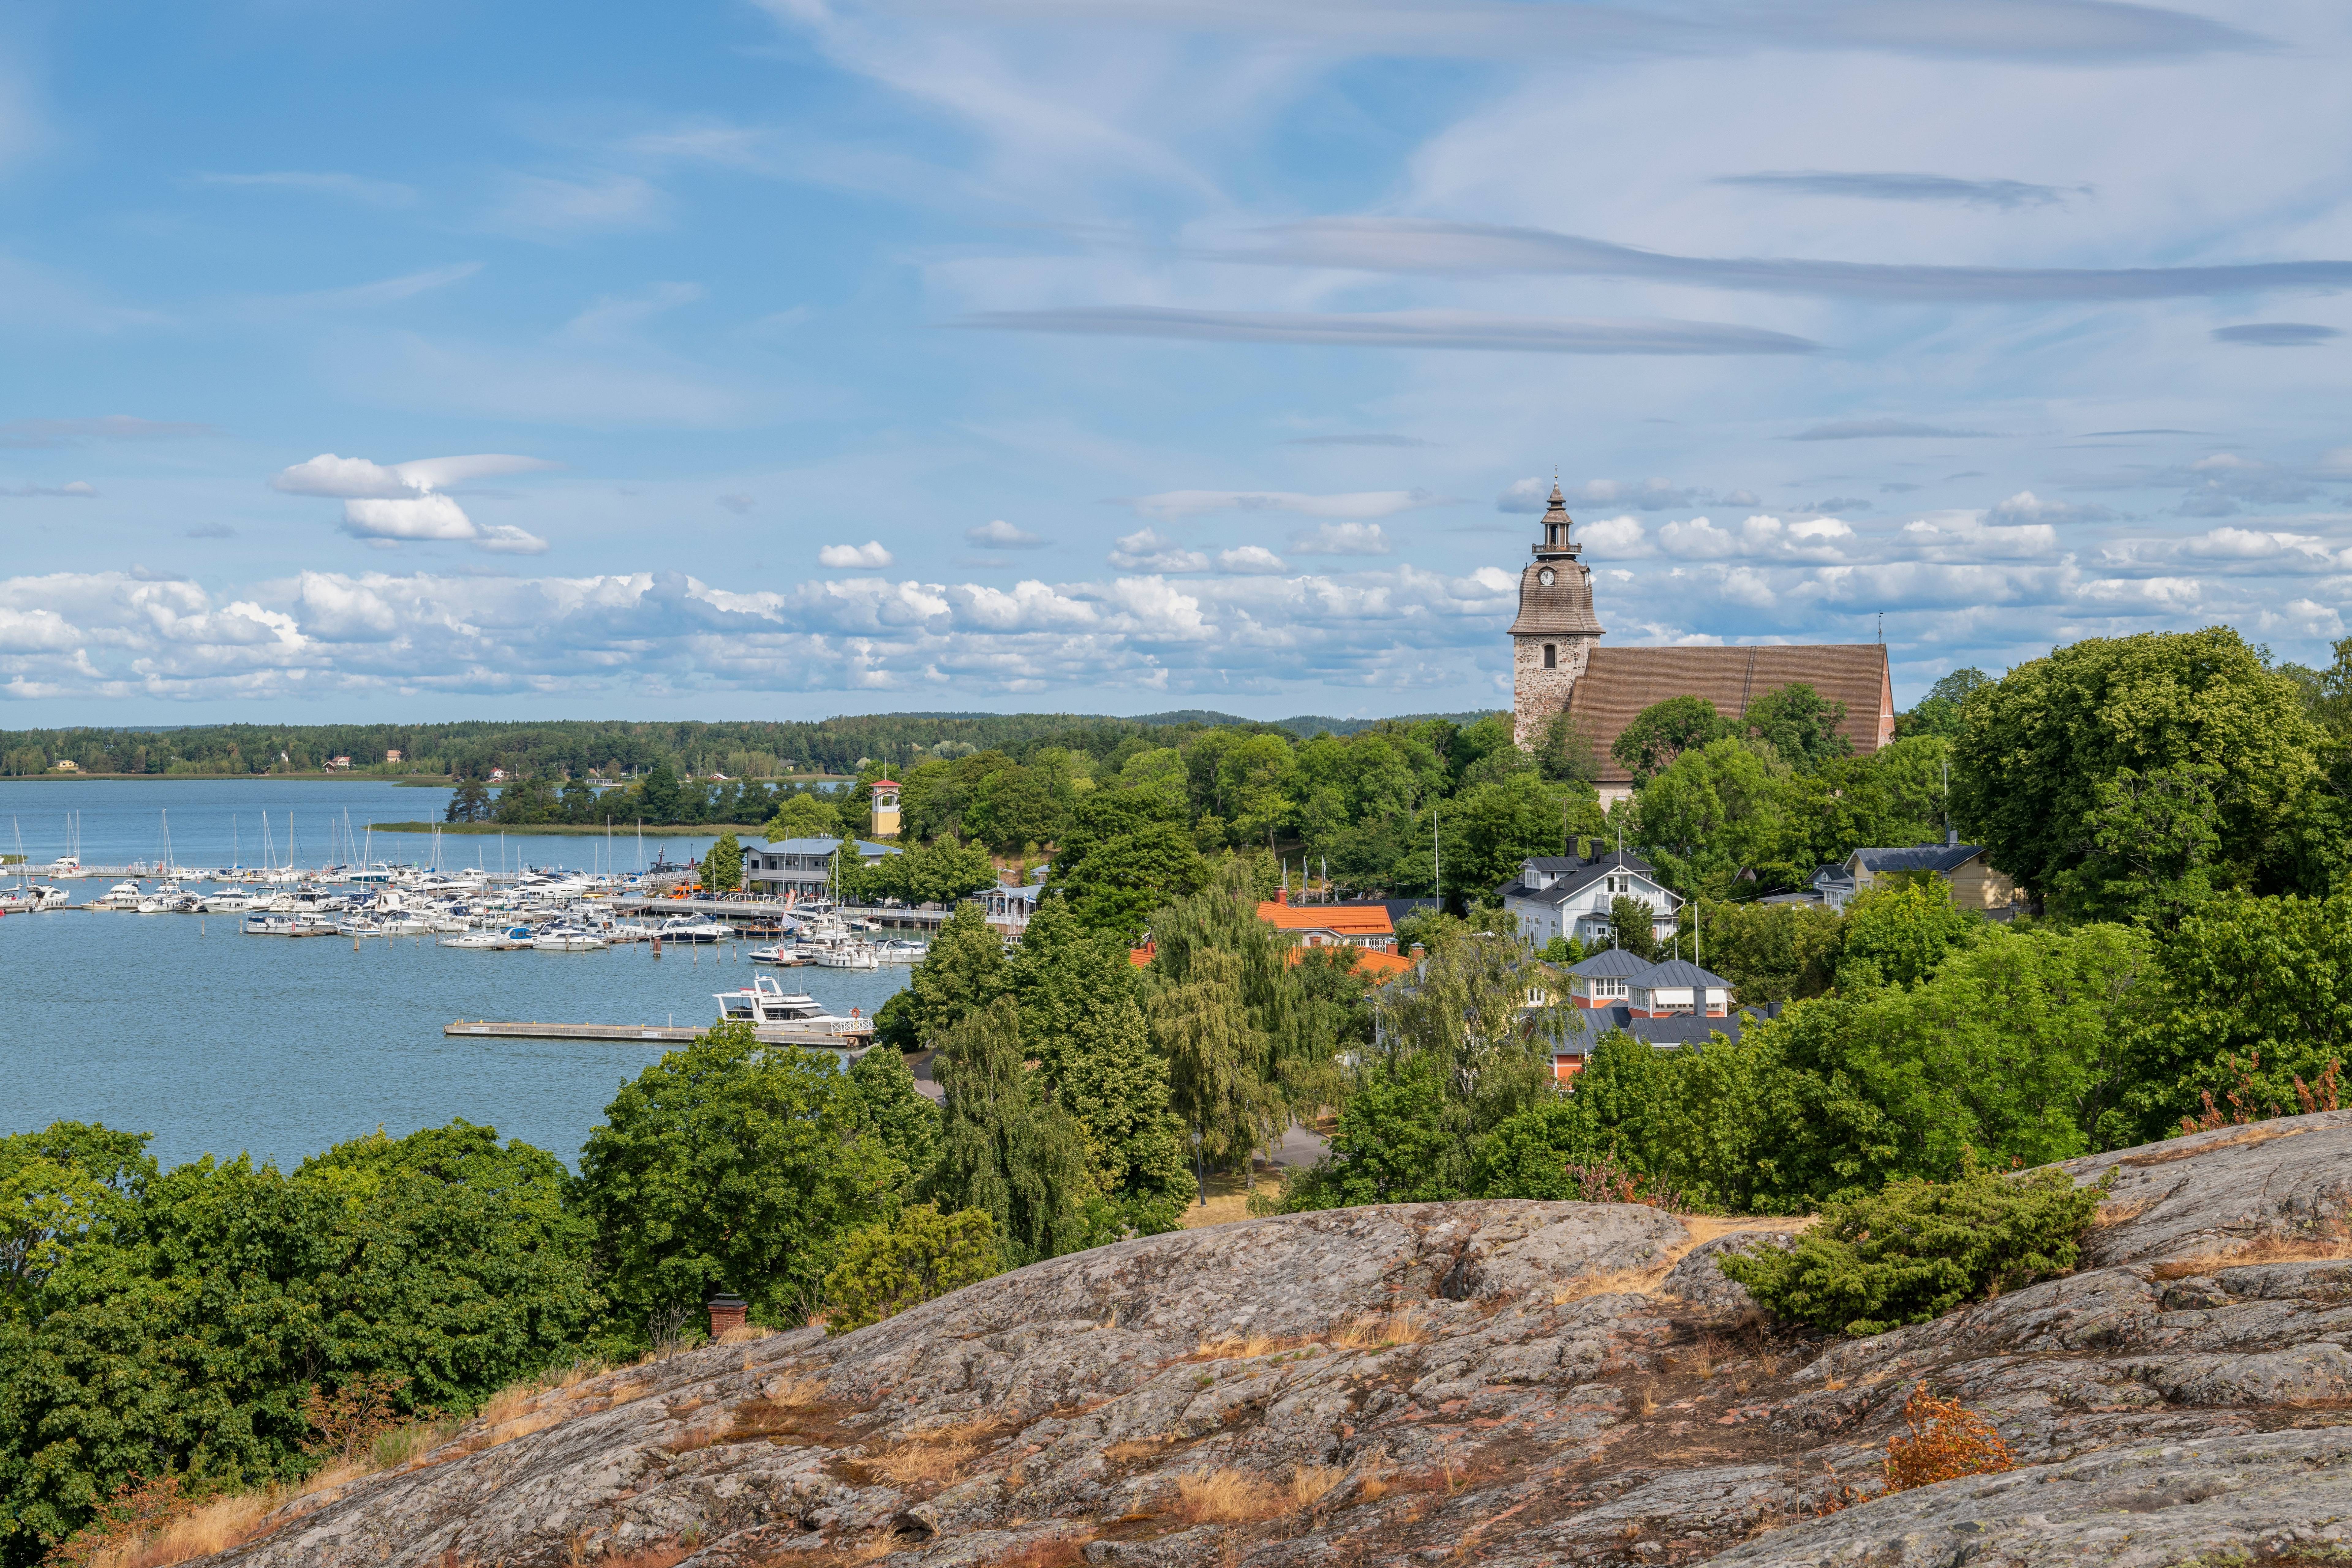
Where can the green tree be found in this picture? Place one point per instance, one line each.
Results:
(888, 1108)
(916, 1255)
(1489, 829)
(1566, 753)
(526, 801)
(1770, 952)
(2040, 744)
(1215, 1055)
(722, 864)
(1125, 855)
(803, 816)
(1005, 1147)
(728, 1164)
(1901, 932)
(939, 872)
(962, 971)
(1083, 1026)
(470, 802)
(1800, 724)
(1393, 1144)
(2245, 986)
(1665, 731)
(1713, 810)
(1633, 925)
(660, 797)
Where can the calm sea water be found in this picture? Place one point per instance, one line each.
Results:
(217, 1042)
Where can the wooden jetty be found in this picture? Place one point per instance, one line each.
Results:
(655, 1033)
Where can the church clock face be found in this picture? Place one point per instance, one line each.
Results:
(1546, 576)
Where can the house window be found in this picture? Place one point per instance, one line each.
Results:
(1551, 655)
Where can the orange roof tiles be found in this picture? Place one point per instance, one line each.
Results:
(1343, 920)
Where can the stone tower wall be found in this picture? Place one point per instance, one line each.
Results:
(1538, 693)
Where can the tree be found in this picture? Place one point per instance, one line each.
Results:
(1633, 925)
(1565, 753)
(1125, 855)
(1665, 731)
(2040, 744)
(1713, 810)
(939, 872)
(1900, 934)
(1202, 1025)
(1005, 1147)
(916, 1255)
(1015, 806)
(727, 1165)
(470, 802)
(888, 1108)
(803, 816)
(2155, 839)
(1488, 829)
(661, 798)
(722, 863)
(1393, 1144)
(1082, 1025)
(2248, 985)
(1770, 952)
(1800, 725)
(961, 972)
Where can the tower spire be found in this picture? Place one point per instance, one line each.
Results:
(1556, 524)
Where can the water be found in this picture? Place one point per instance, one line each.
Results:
(217, 1042)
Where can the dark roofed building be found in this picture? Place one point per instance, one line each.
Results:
(1571, 896)
(1557, 663)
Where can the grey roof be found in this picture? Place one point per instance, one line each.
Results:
(1575, 874)
(1611, 963)
(1941, 858)
(867, 849)
(1589, 1023)
(1680, 971)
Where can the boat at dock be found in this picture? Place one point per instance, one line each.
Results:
(780, 955)
(567, 939)
(764, 1003)
(692, 928)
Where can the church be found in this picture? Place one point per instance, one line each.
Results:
(1557, 663)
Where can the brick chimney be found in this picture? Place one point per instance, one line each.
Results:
(1282, 894)
(726, 1312)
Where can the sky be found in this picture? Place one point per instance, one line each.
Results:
(425, 360)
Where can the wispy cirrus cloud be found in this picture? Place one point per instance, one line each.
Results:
(73, 489)
(1170, 504)
(346, 187)
(1398, 330)
(1881, 429)
(2008, 194)
(1430, 246)
(2276, 334)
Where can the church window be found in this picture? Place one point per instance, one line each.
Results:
(1551, 655)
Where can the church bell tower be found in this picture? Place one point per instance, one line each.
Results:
(1552, 638)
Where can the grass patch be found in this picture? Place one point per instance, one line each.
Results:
(1380, 1331)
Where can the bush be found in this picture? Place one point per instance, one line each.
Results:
(921, 1254)
(1917, 1249)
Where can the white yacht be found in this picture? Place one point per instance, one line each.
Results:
(899, 949)
(262, 923)
(491, 940)
(567, 939)
(692, 928)
(765, 1002)
(224, 903)
(122, 896)
(848, 955)
(781, 957)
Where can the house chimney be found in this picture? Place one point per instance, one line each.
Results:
(726, 1312)
(1951, 837)
(1282, 894)
(1419, 953)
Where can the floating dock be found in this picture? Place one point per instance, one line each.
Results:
(656, 1034)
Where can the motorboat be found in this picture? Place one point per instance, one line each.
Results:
(692, 928)
(166, 900)
(264, 922)
(899, 949)
(848, 955)
(122, 896)
(567, 939)
(224, 903)
(764, 1003)
(781, 957)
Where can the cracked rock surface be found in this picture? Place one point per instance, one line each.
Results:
(1507, 1382)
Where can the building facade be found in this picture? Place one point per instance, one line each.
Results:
(798, 868)
(1572, 895)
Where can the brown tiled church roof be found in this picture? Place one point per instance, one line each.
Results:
(1620, 682)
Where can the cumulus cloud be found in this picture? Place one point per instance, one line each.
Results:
(869, 555)
(1171, 504)
(1614, 538)
(390, 504)
(1001, 535)
(1961, 536)
(1145, 551)
(1250, 560)
(1761, 538)
(1340, 539)
(1400, 330)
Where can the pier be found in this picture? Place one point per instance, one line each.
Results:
(658, 1034)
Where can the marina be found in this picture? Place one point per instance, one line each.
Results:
(281, 1048)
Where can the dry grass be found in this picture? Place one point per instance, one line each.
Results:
(217, 1526)
(1699, 1360)
(795, 1391)
(1644, 1400)
(744, 1334)
(627, 1393)
(848, 1554)
(1246, 1347)
(1610, 1282)
(2122, 1213)
(667, 1555)
(2324, 1239)
(1128, 1452)
(1706, 1227)
(1054, 1551)
(1380, 1331)
(1310, 1484)
(1234, 1496)
(937, 1457)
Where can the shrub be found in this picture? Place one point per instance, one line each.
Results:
(887, 1269)
(1946, 1441)
(1917, 1249)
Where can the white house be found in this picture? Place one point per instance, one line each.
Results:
(1569, 895)
(799, 866)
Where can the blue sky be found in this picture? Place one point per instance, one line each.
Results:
(783, 359)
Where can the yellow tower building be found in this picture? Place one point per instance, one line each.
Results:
(885, 809)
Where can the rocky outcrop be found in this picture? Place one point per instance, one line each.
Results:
(1510, 1383)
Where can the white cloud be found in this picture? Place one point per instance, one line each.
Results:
(1341, 539)
(1961, 536)
(869, 555)
(1614, 538)
(400, 502)
(1144, 550)
(2027, 507)
(1250, 559)
(73, 489)
(1170, 504)
(1001, 535)
(1824, 538)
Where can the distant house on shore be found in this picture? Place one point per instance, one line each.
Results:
(801, 868)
